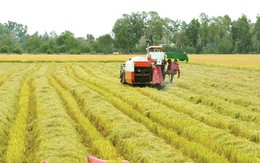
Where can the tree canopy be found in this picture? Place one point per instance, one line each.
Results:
(215, 35)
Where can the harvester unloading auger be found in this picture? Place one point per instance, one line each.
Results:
(148, 70)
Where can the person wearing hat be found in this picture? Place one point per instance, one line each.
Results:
(172, 69)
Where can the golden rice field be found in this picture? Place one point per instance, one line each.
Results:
(233, 61)
(62, 58)
(65, 111)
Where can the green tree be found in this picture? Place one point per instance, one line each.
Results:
(256, 38)
(225, 45)
(90, 38)
(171, 30)
(3, 33)
(7, 39)
(17, 50)
(4, 49)
(154, 28)
(66, 41)
(87, 44)
(121, 36)
(241, 35)
(45, 47)
(104, 44)
(128, 30)
(219, 35)
(18, 30)
(182, 43)
(136, 28)
(192, 32)
(204, 31)
(33, 43)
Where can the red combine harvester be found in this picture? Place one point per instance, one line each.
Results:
(144, 70)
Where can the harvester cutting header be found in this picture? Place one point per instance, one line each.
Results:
(147, 70)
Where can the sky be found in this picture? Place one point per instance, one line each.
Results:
(97, 17)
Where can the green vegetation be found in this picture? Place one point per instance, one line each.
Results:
(203, 35)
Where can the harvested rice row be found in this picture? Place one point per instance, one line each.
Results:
(208, 101)
(221, 106)
(216, 99)
(189, 71)
(6, 74)
(233, 76)
(5, 67)
(219, 98)
(31, 127)
(248, 130)
(191, 149)
(17, 139)
(134, 141)
(223, 91)
(58, 140)
(238, 101)
(234, 148)
(218, 82)
(16, 143)
(102, 72)
(9, 97)
(100, 147)
(90, 68)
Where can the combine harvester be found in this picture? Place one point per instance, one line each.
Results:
(148, 70)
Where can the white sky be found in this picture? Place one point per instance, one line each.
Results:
(97, 17)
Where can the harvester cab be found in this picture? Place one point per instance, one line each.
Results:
(156, 53)
(144, 70)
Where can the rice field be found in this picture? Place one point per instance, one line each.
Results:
(65, 111)
(63, 58)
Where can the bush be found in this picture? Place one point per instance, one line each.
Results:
(85, 49)
(74, 51)
(62, 49)
(49, 51)
(17, 50)
(4, 49)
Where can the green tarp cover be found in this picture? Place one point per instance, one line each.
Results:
(180, 56)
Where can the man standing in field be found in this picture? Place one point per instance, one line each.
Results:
(172, 69)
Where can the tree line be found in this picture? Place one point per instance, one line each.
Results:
(131, 33)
